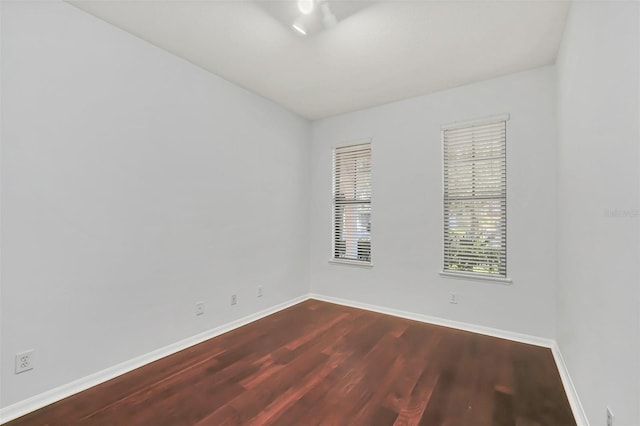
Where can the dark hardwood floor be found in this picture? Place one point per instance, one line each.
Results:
(319, 363)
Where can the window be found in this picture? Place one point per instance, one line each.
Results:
(352, 203)
(475, 198)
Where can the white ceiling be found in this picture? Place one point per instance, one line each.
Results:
(383, 52)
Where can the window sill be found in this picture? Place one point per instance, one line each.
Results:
(476, 277)
(351, 262)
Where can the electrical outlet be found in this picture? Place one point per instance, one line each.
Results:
(610, 417)
(199, 308)
(234, 299)
(259, 291)
(454, 298)
(24, 361)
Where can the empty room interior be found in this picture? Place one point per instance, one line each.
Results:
(305, 212)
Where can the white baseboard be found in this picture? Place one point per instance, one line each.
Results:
(487, 331)
(41, 400)
(569, 388)
(572, 396)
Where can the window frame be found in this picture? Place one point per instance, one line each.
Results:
(343, 261)
(468, 275)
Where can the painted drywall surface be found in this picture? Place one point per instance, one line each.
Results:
(134, 184)
(598, 202)
(407, 205)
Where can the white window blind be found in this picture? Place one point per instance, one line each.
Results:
(475, 198)
(352, 203)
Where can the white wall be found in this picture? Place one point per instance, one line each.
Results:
(133, 185)
(598, 202)
(407, 206)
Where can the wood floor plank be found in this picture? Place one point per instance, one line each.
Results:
(444, 362)
(318, 363)
(295, 392)
(302, 411)
(361, 385)
(483, 392)
(539, 399)
(468, 383)
(413, 411)
(503, 414)
(416, 345)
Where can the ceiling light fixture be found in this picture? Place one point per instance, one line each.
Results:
(299, 28)
(305, 6)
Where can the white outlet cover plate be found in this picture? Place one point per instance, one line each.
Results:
(24, 361)
(199, 308)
